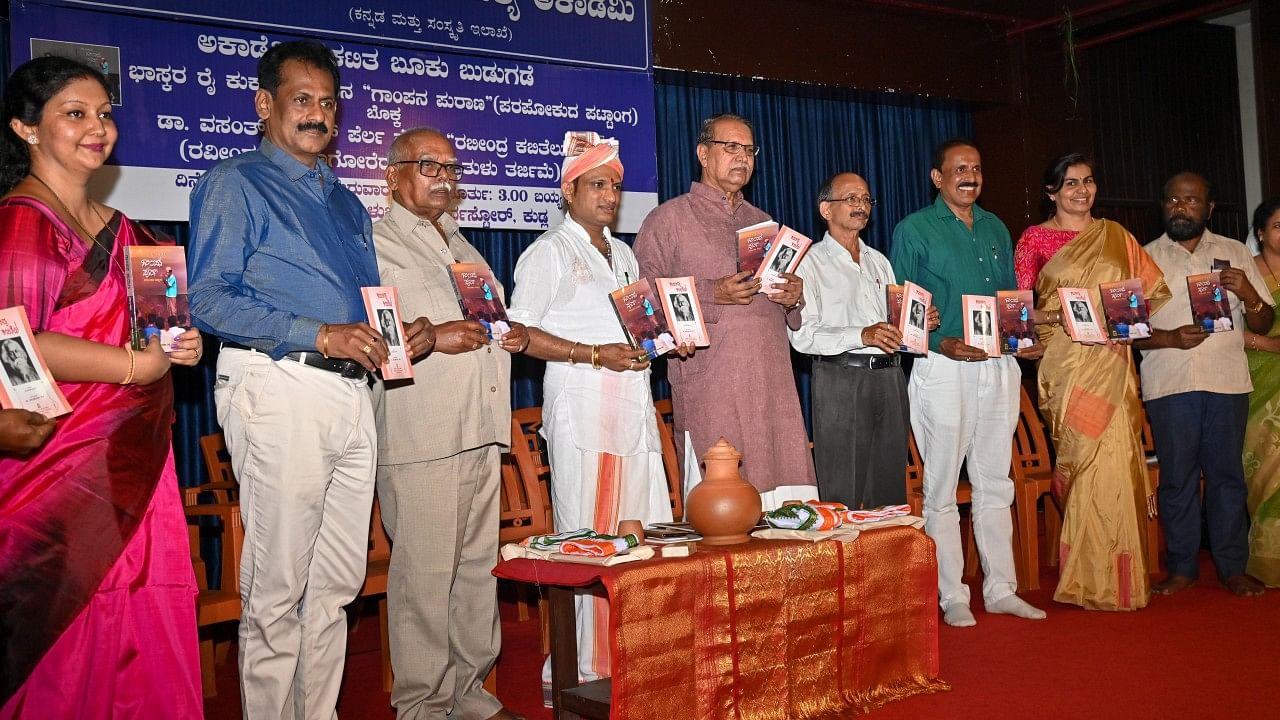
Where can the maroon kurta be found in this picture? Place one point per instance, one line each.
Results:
(741, 386)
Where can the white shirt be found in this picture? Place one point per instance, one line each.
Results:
(1218, 364)
(562, 286)
(841, 297)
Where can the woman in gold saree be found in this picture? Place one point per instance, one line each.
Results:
(1089, 395)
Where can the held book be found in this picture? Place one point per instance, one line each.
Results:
(980, 323)
(479, 297)
(642, 319)
(1017, 331)
(684, 315)
(1210, 306)
(383, 306)
(912, 321)
(893, 302)
(157, 286)
(1125, 308)
(754, 243)
(26, 381)
(1080, 315)
(784, 256)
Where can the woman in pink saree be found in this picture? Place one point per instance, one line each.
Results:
(97, 593)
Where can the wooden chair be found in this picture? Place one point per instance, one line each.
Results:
(670, 461)
(222, 480)
(375, 583)
(915, 498)
(1032, 474)
(220, 605)
(1155, 538)
(534, 487)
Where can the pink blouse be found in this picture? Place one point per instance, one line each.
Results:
(1035, 248)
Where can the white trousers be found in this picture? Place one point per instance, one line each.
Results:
(967, 412)
(303, 446)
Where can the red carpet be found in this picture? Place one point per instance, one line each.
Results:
(1200, 654)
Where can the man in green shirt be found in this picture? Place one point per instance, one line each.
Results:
(964, 404)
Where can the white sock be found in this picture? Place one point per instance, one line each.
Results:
(1016, 606)
(958, 614)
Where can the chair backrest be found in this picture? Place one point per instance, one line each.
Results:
(216, 458)
(1030, 444)
(1148, 439)
(670, 460)
(379, 543)
(528, 489)
(232, 539)
(915, 466)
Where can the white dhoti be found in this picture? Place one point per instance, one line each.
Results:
(967, 411)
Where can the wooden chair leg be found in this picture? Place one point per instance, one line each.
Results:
(491, 681)
(208, 684)
(544, 625)
(522, 602)
(387, 675)
(1154, 540)
(970, 551)
(1026, 528)
(1052, 531)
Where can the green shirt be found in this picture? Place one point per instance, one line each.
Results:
(935, 250)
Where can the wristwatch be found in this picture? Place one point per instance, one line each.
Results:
(1257, 307)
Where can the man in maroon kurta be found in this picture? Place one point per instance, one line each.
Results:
(741, 387)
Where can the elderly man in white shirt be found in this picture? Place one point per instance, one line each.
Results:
(860, 416)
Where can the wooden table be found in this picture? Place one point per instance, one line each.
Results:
(767, 630)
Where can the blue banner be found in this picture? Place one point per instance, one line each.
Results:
(601, 33)
(184, 101)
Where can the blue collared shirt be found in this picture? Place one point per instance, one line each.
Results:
(277, 249)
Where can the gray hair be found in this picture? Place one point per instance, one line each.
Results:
(398, 146)
(704, 134)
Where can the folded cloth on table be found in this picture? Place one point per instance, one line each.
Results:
(845, 533)
(581, 542)
(806, 516)
(514, 551)
(884, 513)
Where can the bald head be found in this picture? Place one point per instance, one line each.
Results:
(845, 201)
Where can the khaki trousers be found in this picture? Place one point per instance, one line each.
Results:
(302, 443)
(442, 518)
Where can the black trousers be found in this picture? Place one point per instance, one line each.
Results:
(860, 426)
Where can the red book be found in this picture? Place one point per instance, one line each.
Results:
(1017, 331)
(157, 286)
(754, 243)
(1210, 307)
(479, 297)
(642, 319)
(1125, 307)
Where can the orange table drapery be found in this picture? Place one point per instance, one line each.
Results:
(768, 630)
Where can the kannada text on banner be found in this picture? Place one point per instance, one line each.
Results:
(185, 101)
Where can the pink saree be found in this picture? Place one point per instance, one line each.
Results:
(97, 593)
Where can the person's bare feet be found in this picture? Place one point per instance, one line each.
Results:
(1243, 586)
(505, 714)
(1173, 584)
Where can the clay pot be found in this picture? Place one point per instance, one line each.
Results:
(723, 507)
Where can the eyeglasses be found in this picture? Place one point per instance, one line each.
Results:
(1190, 201)
(854, 200)
(431, 168)
(733, 148)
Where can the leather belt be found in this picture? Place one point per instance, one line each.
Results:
(348, 369)
(862, 361)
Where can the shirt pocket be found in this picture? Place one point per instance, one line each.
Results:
(426, 292)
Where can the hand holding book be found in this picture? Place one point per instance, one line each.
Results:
(356, 341)
(22, 431)
(459, 336)
(883, 336)
(736, 289)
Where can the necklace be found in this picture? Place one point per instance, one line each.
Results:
(607, 252)
(115, 236)
(1270, 272)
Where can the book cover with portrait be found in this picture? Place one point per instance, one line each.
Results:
(784, 256)
(1125, 307)
(157, 285)
(480, 297)
(1210, 306)
(383, 306)
(754, 242)
(1080, 316)
(980, 323)
(25, 380)
(642, 318)
(1017, 330)
(679, 298)
(912, 321)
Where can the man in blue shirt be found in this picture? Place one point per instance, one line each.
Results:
(279, 251)
(964, 405)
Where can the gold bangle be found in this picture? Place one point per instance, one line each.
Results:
(324, 340)
(1257, 307)
(595, 357)
(571, 349)
(129, 378)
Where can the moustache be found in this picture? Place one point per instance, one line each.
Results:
(1180, 218)
(859, 214)
(445, 185)
(317, 126)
